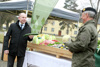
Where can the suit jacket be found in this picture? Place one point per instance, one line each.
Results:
(18, 42)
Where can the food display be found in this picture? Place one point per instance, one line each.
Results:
(50, 40)
(44, 39)
(49, 44)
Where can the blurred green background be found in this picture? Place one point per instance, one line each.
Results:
(1, 37)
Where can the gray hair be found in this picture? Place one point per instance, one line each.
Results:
(91, 14)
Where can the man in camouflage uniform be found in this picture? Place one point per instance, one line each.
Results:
(84, 46)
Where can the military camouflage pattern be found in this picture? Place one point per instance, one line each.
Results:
(84, 46)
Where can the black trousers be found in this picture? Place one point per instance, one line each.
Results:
(11, 61)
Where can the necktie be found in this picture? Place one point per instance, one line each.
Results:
(21, 26)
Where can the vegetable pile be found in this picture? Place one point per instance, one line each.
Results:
(49, 40)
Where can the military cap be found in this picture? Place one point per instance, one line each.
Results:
(89, 9)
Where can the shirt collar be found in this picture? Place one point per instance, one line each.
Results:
(21, 24)
(90, 21)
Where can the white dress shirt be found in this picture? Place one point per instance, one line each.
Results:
(21, 25)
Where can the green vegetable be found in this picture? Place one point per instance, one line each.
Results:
(31, 34)
(53, 43)
(57, 43)
(50, 44)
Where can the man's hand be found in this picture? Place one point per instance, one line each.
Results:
(31, 36)
(6, 52)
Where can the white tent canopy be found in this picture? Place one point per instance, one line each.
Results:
(28, 5)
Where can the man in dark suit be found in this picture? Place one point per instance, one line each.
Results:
(18, 42)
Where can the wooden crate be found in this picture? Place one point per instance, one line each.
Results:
(5, 58)
(52, 50)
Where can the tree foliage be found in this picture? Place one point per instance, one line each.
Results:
(6, 18)
(1, 16)
(67, 24)
(70, 4)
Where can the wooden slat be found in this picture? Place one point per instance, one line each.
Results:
(5, 58)
(52, 50)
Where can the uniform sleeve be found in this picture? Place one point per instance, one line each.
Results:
(6, 38)
(81, 44)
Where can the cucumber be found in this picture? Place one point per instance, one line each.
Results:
(31, 34)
